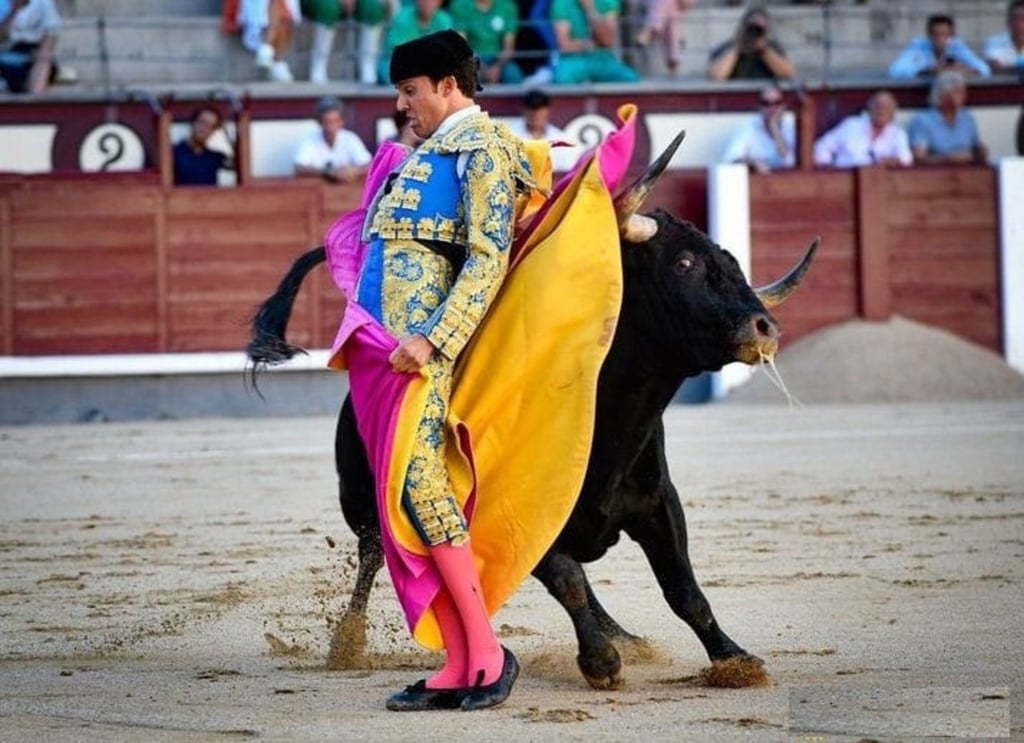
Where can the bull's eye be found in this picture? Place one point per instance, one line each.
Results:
(684, 263)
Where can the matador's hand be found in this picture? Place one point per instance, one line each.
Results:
(413, 353)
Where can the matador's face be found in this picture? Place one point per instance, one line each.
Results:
(427, 103)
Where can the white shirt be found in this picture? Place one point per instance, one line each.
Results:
(562, 158)
(850, 144)
(752, 142)
(348, 151)
(34, 21)
(1000, 48)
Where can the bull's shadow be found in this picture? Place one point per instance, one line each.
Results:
(686, 309)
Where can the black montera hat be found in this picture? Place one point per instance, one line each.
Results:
(435, 55)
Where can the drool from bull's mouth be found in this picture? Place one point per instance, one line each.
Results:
(775, 377)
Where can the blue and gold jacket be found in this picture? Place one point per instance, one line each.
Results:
(463, 189)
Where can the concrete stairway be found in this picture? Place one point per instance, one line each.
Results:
(116, 44)
(159, 43)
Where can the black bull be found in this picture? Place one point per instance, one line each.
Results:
(686, 309)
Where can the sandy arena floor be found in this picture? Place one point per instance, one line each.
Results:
(175, 581)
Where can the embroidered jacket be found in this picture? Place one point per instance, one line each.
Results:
(463, 187)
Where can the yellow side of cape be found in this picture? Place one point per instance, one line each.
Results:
(526, 390)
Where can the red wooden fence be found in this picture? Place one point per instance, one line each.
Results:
(127, 265)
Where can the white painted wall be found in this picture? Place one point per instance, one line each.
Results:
(1011, 240)
(729, 226)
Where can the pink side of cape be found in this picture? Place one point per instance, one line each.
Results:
(378, 392)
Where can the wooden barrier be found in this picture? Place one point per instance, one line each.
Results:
(124, 264)
(918, 242)
(130, 267)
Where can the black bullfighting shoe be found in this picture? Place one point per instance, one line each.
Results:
(418, 697)
(482, 697)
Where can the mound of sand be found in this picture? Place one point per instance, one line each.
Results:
(896, 361)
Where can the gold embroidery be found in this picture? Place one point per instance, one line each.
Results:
(404, 229)
(410, 198)
(426, 226)
(418, 170)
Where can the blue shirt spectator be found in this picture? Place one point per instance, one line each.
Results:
(946, 132)
(195, 163)
(940, 50)
(931, 132)
(192, 168)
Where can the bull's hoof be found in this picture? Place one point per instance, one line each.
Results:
(348, 645)
(740, 672)
(602, 675)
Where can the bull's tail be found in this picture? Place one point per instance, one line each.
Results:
(268, 345)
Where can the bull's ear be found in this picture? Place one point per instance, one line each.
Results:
(638, 229)
(629, 201)
(778, 291)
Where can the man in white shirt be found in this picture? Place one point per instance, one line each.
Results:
(870, 138)
(333, 152)
(28, 40)
(767, 140)
(1005, 51)
(536, 124)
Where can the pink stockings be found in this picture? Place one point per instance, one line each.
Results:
(470, 643)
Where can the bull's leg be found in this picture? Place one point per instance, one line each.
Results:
(348, 640)
(565, 580)
(356, 494)
(611, 629)
(662, 536)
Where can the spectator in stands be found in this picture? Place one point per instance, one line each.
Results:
(29, 32)
(1005, 51)
(411, 22)
(946, 132)
(752, 53)
(195, 164)
(403, 129)
(267, 28)
(940, 49)
(333, 152)
(536, 124)
(490, 27)
(325, 16)
(870, 138)
(663, 20)
(369, 16)
(767, 140)
(535, 41)
(587, 32)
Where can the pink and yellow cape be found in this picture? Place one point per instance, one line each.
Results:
(522, 408)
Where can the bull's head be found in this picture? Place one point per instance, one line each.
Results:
(691, 288)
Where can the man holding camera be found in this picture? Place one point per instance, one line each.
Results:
(938, 51)
(752, 54)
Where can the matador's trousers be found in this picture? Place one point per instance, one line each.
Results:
(415, 282)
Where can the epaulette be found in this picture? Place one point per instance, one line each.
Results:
(479, 132)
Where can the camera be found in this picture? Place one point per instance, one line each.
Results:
(753, 32)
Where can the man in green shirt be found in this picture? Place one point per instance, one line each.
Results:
(490, 28)
(409, 23)
(587, 34)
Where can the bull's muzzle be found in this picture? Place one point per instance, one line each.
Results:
(758, 339)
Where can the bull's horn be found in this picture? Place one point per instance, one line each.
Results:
(638, 229)
(629, 201)
(776, 293)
